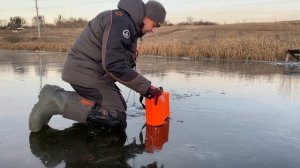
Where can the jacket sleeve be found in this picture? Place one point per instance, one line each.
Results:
(117, 40)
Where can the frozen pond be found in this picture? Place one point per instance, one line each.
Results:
(224, 114)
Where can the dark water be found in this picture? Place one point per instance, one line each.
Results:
(224, 114)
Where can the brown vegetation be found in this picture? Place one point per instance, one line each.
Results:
(249, 41)
(59, 39)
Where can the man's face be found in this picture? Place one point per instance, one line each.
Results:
(149, 25)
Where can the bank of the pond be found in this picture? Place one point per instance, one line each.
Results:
(251, 41)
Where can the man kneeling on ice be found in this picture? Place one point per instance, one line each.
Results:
(104, 53)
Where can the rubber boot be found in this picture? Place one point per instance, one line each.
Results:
(55, 100)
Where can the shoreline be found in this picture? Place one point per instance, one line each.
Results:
(259, 41)
(275, 63)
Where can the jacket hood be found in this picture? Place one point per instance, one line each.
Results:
(136, 10)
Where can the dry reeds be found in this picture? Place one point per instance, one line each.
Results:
(246, 48)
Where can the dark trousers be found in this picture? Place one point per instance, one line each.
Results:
(88, 93)
(107, 95)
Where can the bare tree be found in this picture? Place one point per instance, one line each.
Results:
(189, 20)
(71, 22)
(40, 20)
(58, 20)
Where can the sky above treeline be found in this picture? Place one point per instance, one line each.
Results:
(220, 11)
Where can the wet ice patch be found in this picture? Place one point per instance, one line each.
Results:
(289, 67)
(286, 63)
(189, 145)
(199, 152)
(135, 111)
(179, 96)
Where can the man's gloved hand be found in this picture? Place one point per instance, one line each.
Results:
(153, 92)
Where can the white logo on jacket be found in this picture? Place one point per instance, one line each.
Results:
(126, 33)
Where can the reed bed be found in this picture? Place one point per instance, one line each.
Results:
(253, 41)
(241, 48)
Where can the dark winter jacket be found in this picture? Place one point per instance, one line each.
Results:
(105, 49)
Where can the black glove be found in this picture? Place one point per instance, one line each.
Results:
(153, 92)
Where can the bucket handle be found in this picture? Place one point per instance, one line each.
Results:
(156, 98)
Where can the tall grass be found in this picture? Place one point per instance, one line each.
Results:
(246, 47)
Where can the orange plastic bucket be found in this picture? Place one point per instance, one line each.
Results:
(156, 114)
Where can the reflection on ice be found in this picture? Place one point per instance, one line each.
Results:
(88, 145)
(156, 137)
(83, 145)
